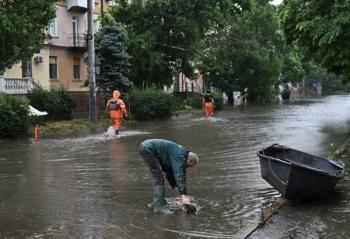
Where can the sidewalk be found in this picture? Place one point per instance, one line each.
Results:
(325, 218)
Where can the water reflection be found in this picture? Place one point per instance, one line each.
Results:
(98, 186)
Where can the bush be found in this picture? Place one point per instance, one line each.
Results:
(59, 104)
(219, 100)
(14, 117)
(196, 100)
(150, 104)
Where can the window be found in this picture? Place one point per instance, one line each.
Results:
(76, 68)
(27, 67)
(53, 68)
(75, 24)
(53, 28)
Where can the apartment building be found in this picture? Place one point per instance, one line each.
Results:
(62, 62)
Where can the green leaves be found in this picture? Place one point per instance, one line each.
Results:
(165, 35)
(22, 25)
(243, 53)
(111, 48)
(14, 117)
(320, 29)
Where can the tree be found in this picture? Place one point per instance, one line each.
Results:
(243, 54)
(292, 66)
(165, 35)
(320, 30)
(111, 50)
(22, 25)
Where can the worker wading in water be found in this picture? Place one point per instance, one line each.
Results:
(208, 104)
(117, 111)
(164, 156)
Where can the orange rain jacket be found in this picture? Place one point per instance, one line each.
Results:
(117, 115)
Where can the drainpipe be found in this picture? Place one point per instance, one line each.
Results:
(91, 67)
(102, 10)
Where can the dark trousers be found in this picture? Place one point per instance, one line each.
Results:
(153, 164)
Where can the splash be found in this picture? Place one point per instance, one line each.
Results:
(210, 118)
(110, 133)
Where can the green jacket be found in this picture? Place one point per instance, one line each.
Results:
(173, 161)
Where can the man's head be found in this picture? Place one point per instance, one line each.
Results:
(192, 159)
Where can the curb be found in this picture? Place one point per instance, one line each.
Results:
(268, 212)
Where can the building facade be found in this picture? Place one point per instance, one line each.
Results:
(62, 62)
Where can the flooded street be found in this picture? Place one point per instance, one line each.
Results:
(98, 186)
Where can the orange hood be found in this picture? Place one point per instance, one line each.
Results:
(116, 94)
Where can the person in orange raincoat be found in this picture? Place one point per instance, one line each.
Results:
(208, 104)
(117, 111)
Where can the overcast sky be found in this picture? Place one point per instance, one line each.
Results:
(275, 2)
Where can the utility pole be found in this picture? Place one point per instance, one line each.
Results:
(91, 67)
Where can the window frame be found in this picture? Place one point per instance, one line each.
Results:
(50, 68)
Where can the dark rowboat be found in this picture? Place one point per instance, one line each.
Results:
(296, 174)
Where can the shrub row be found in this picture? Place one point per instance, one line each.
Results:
(14, 117)
(150, 104)
(58, 103)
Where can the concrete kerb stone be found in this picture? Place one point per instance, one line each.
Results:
(268, 211)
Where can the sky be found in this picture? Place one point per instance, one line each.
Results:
(276, 2)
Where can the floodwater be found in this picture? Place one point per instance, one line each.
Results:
(97, 186)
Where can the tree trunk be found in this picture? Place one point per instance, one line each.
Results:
(230, 98)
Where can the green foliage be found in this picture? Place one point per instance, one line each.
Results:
(292, 67)
(244, 54)
(22, 25)
(218, 99)
(193, 99)
(150, 104)
(320, 30)
(165, 35)
(111, 49)
(58, 103)
(14, 117)
(334, 153)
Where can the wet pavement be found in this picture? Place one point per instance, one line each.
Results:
(97, 186)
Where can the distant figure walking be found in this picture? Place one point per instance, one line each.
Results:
(164, 156)
(208, 104)
(117, 111)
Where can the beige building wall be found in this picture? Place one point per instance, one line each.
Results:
(65, 70)
(60, 46)
(14, 72)
(40, 70)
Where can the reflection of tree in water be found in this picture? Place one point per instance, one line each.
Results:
(119, 170)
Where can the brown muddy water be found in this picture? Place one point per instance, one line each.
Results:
(97, 186)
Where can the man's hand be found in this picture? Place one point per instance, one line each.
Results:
(185, 199)
(190, 209)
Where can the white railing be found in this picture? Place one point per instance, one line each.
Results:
(16, 86)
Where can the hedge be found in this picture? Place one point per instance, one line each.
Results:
(14, 117)
(150, 104)
(58, 103)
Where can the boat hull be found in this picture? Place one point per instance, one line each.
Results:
(294, 180)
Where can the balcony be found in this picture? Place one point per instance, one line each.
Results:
(77, 6)
(16, 86)
(77, 42)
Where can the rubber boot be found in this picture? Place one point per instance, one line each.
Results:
(159, 203)
(116, 131)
